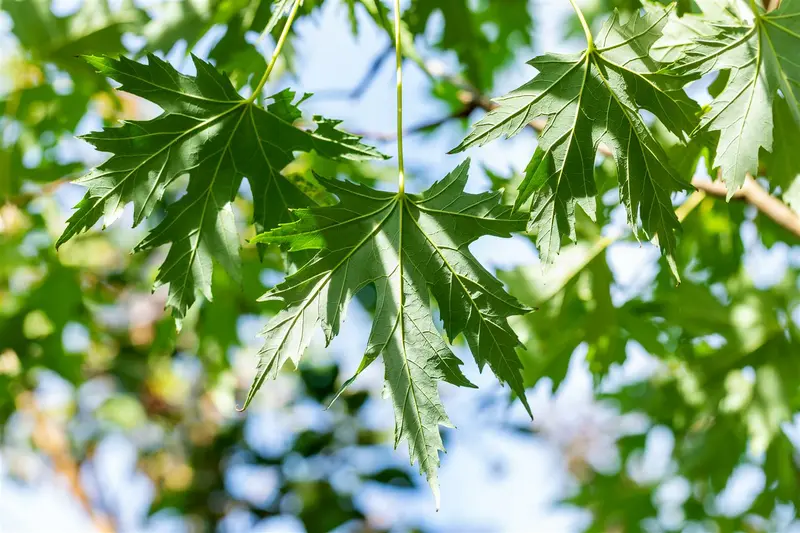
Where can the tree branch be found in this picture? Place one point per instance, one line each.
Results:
(755, 195)
(22, 200)
(52, 441)
(465, 112)
(366, 81)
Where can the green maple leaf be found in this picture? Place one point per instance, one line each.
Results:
(764, 71)
(589, 99)
(406, 245)
(211, 133)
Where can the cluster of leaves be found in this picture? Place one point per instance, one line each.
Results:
(406, 245)
(724, 385)
(623, 98)
(217, 137)
(43, 110)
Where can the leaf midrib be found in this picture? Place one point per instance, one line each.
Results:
(504, 122)
(649, 173)
(466, 292)
(209, 192)
(738, 42)
(587, 66)
(307, 301)
(180, 93)
(634, 37)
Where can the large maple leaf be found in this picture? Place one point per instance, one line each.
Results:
(761, 54)
(407, 246)
(593, 98)
(211, 133)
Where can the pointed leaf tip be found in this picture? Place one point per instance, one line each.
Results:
(585, 108)
(222, 141)
(358, 244)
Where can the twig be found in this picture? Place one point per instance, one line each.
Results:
(366, 81)
(22, 200)
(465, 112)
(53, 442)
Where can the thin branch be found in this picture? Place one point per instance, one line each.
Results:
(422, 127)
(366, 81)
(51, 440)
(755, 195)
(23, 199)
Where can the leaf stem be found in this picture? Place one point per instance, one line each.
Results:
(585, 25)
(277, 52)
(401, 177)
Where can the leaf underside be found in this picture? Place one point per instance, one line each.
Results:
(588, 99)
(762, 59)
(211, 133)
(409, 247)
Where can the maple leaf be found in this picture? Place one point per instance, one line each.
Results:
(761, 57)
(211, 133)
(590, 98)
(406, 245)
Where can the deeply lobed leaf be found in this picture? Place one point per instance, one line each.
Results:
(593, 98)
(211, 133)
(759, 53)
(407, 246)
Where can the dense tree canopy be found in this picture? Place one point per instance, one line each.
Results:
(658, 212)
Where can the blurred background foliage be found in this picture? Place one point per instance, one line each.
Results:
(692, 389)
